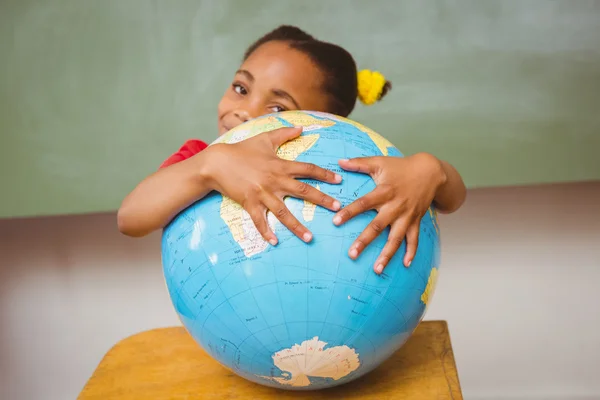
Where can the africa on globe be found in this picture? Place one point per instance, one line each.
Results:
(298, 315)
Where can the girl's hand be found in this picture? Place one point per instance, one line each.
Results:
(251, 174)
(405, 189)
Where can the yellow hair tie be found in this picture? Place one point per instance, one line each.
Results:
(370, 86)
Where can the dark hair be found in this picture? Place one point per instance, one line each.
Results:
(337, 64)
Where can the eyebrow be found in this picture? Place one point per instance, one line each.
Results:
(277, 92)
(246, 73)
(285, 95)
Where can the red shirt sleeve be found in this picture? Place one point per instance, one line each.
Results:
(189, 148)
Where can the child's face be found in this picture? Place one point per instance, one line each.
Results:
(274, 78)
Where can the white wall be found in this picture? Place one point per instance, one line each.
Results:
(519, 288)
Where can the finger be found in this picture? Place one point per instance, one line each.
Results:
(412, 242)
(370, 233)
(287, 219)
(258, 213)
(306, 192)
(358, 206)
(282, 135)
(395, 239)
(365, 165)
(307, 170)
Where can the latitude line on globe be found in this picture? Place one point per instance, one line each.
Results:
(276, 282)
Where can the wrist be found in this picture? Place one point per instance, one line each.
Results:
(435, 169)
(203, 168)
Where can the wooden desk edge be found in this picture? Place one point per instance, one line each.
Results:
(447, 356)
(442, 323)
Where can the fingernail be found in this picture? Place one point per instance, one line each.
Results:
(379, 268)
(337, 219)
(353, 252)
(273, 241)
(336, 205)
(408, 263)
(344, 159)
(306, 237)
(337, 178)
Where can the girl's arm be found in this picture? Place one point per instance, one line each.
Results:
(451, 193)
(249, 172)
(162, 195)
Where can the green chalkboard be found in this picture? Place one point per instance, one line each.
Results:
(94, 94)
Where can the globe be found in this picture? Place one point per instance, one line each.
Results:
(298, 315)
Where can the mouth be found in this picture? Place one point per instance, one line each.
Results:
(223, 128)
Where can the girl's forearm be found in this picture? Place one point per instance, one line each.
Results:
(452, 193)
(161, 196)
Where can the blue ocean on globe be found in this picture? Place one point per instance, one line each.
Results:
(298, 316)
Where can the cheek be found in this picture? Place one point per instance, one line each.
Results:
(225, 105)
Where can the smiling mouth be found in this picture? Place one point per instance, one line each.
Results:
(223, 128)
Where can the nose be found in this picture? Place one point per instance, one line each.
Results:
(242, 114)
(248, 108)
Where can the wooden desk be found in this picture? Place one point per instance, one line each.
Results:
(167, 364)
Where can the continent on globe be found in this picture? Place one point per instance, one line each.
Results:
(382, 143)
(306, 121)
(272, 122)
(246, 131)
(311, 359)
(430, 288)
(434, 219)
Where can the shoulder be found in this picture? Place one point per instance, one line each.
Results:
(187, 150)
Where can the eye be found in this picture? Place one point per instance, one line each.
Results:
(277, 109)
(239, 89)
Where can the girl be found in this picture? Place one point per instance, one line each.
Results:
(288, 69)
